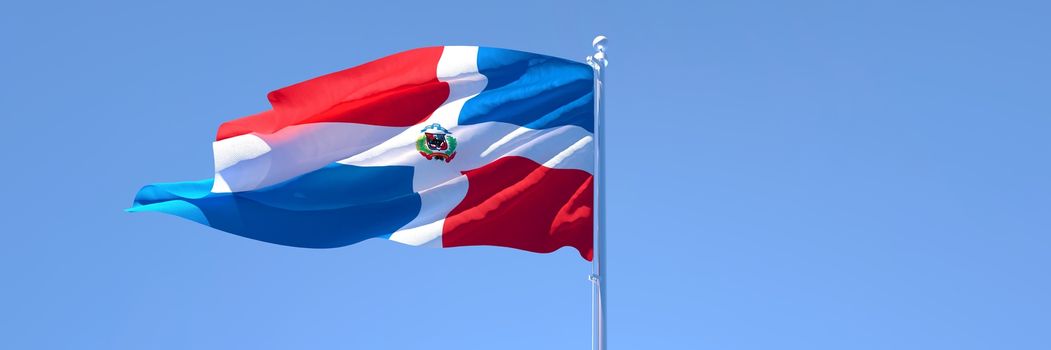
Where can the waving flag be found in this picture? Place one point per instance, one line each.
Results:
(440, 146)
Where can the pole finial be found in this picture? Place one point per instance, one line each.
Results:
(598, 60)
(599, 43)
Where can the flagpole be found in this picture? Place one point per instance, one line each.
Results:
(598, 63)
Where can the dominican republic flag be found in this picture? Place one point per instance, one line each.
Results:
(440, 146)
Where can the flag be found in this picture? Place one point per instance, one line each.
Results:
(440, 146)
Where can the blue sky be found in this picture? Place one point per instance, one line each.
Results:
(804, 175)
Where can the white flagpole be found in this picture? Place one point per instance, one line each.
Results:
(598, 62)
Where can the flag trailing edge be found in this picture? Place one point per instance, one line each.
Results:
(440, 146)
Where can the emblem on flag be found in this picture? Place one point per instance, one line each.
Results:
(436, 143)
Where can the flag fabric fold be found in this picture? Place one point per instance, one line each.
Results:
(440, 146)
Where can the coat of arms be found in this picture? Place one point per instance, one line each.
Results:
(436, 143)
